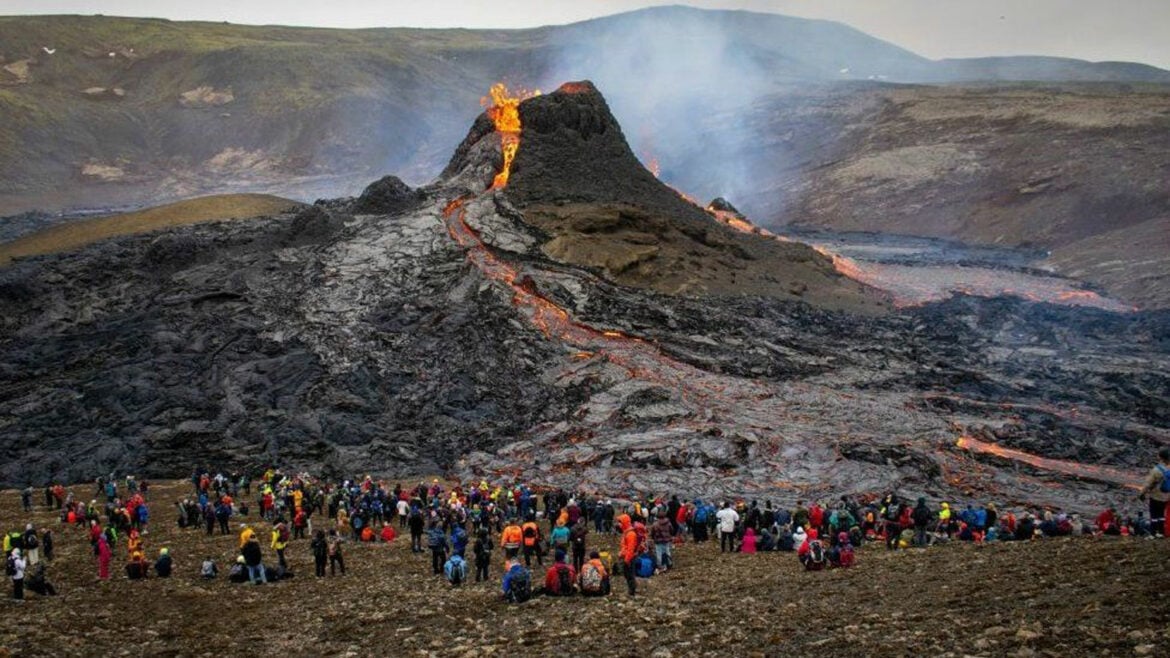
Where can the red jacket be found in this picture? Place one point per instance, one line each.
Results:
(552, 581)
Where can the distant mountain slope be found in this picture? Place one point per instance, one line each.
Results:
(105, 111)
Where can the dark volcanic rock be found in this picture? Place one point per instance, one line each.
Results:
(443, 336)
(386, 196)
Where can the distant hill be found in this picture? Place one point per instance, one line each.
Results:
(107, 111)
(794, 120)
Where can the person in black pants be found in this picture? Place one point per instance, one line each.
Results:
(320, 552)
(483, 554)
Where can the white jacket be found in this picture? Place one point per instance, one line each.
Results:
(727, 518)
(19, 564)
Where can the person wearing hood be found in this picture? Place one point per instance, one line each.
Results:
(104, 555)
(811, 552)
(662, 534)
(799, 537)
(629, 551)
(749, 541)
(17, 565)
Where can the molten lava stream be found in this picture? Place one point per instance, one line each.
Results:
(1099, 473)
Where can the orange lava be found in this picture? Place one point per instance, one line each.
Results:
(503, 108)
(574, 88)
(1099, 473)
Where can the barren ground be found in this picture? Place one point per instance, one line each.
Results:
(1068, 597)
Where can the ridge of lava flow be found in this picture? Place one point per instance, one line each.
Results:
(786, 422)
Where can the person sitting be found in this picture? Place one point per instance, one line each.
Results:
(560, 578)
(594, 577)
(812, 553)
(208, 571)
(239, 571)
(163, 566)
(748, 544)
(137, 568)
(784, 540)
(39, 583)
(388, 533)
(455, 570)
(767, 542)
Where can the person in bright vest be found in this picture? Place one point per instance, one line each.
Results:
(511, 539)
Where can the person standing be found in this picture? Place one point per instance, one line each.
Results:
(629, 550)
(280, 541)
(254, 560)
(320, 550)
(1157, 490)
(727, 518)
(336, 559)
(104, 555)
(16, 565)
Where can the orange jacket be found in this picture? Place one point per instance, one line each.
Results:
(511, 537)
(530, 541)
(629, 545)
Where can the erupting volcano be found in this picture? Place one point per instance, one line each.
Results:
(549, 309)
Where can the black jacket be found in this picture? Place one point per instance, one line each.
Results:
(252, 555)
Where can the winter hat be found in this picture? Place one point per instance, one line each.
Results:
(164, 551)
(239, 559)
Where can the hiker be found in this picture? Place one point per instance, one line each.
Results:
(239, 572)
(336, 560)
(163, 566)
(629, 551)
(593, 577)
(560, 579)
(577, 538)
(254, 560)
(749, 542)
(208, 571)
(1157, 490)
(39, 583)
(812, 553)
(483, 554)
(842, 555)
(517, 582)
(662, 534)
(137, 568)
(511, 539)
(31, 545)
(455, 570)
(320, 549)
(530, 532)
(47, 544)
(417, 524)
(727, 519)
(437, 542)
(922, 517)
(15, 567)
(104, 555)
(280, 539)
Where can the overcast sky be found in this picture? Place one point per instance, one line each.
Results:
(1128, 30)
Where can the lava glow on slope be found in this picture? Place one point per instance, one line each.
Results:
(1099, 473)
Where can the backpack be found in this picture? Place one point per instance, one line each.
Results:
(456, 570)
(30, 542)
(591, 578)
(564, 580)
(519, 584)
(529, 535)
(847, 557)
(10, 566)
(701, 515)
(816, 554)
(1165, 478)
(283, 535)
(643, 566)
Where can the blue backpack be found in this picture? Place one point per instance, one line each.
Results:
(701, 515)
(456, 570)
(644, 566)
(519, 584)
(1165, 478)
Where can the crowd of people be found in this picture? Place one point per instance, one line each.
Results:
(468, 527)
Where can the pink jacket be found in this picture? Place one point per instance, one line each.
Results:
(749, 541)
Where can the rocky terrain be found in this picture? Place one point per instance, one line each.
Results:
(1070, 597)
(436, 330)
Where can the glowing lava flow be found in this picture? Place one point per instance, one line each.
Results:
(1099, 473)
(504, 111)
